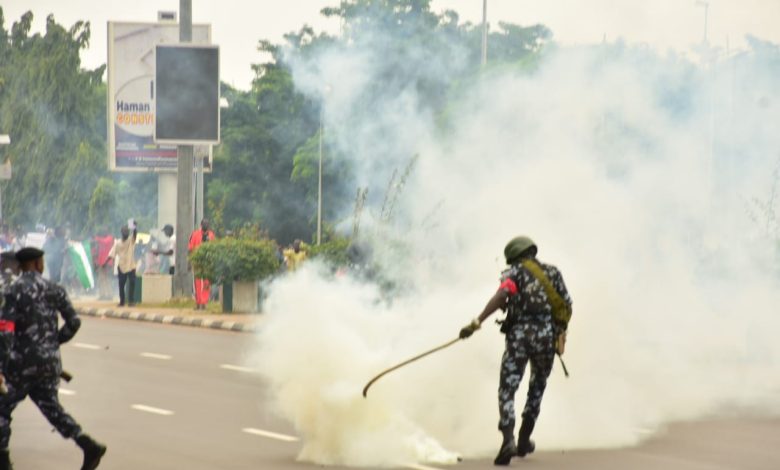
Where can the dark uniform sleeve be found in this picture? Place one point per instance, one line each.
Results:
(72, 322)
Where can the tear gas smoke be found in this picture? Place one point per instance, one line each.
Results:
(631, 171)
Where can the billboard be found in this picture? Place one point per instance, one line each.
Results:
(187, 94)
(131, 101)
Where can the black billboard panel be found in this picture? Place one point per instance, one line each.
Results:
(187, 94)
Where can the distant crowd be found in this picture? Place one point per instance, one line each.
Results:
(106, 264)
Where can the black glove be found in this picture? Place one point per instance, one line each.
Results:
(469, 329)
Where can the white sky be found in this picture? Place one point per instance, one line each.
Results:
(239, 24)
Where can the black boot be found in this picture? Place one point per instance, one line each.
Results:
(508, 448)
(524, 443)
(93, 451)
(5, 460)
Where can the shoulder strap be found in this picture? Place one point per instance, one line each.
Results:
(561, 311)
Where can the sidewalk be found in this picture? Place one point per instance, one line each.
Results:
(175, 316)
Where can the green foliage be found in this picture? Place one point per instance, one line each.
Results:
(251, 180)
(55, 113)
(102, 203)
(333, 251)
(266, 169)
(231, 259)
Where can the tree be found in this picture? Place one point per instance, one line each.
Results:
(266, 169)
(55, 112)
(48, 106)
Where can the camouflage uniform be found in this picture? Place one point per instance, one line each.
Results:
(530, 336)
(30, 350)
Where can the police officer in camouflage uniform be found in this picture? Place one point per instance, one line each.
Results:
(30, 361)
(530, 337)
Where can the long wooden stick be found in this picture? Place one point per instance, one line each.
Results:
(408, 361)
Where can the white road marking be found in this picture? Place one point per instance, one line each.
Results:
(86, 346)
(417, 466)
(164, 357)
(235, 368)
(65, 391)
(272, 435)
(151, 409)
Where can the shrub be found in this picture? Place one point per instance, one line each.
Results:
(333, 251)
(229, 260)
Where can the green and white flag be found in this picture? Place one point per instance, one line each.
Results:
(81, 257)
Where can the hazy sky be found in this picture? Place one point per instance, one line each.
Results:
(239, 24)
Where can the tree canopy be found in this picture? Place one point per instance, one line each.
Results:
(55, 114)
(266, 169)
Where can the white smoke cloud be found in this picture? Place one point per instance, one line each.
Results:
(605, 157)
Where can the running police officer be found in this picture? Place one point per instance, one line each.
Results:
(539, 308)
(30, 354)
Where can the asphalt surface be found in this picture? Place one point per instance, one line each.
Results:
(165, 397)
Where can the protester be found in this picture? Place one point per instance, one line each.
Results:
(19, 237)
(6, 238)
(150, 262)
(295, 256)
(56, 245)
(9, 268)
(165, 250)
(30, 361)
(124, 251)
(202, 286)
(537, 300)
(104, 262)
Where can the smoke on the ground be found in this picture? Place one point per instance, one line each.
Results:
(645, 178)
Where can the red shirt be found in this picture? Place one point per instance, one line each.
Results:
(197, 238)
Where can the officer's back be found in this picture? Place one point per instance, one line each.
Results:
(30, 301)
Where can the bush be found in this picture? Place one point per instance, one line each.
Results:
(333, 251)
(229, 260)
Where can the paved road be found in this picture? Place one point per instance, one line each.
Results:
(167, 397)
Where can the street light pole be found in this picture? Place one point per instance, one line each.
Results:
(706, 6)
(484, 32)
(319, 185)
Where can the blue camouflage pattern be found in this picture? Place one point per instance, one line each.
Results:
(30, 355)
(530, 337)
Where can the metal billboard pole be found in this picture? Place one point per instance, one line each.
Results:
(182, 278)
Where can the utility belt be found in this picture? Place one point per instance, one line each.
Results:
(512, 319)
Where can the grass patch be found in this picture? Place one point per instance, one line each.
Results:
(185, 304)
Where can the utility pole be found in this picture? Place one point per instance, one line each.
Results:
(706, 6)
(182, 278)
(319, 185)
(484, 33)
(199, 187)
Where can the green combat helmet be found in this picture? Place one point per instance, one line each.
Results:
(516, 247)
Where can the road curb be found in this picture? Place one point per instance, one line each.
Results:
(181, 320)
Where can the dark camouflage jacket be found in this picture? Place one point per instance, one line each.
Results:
(29, 335)
(530, 301)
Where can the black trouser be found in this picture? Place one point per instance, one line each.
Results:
(43, 392)
(123, 278)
